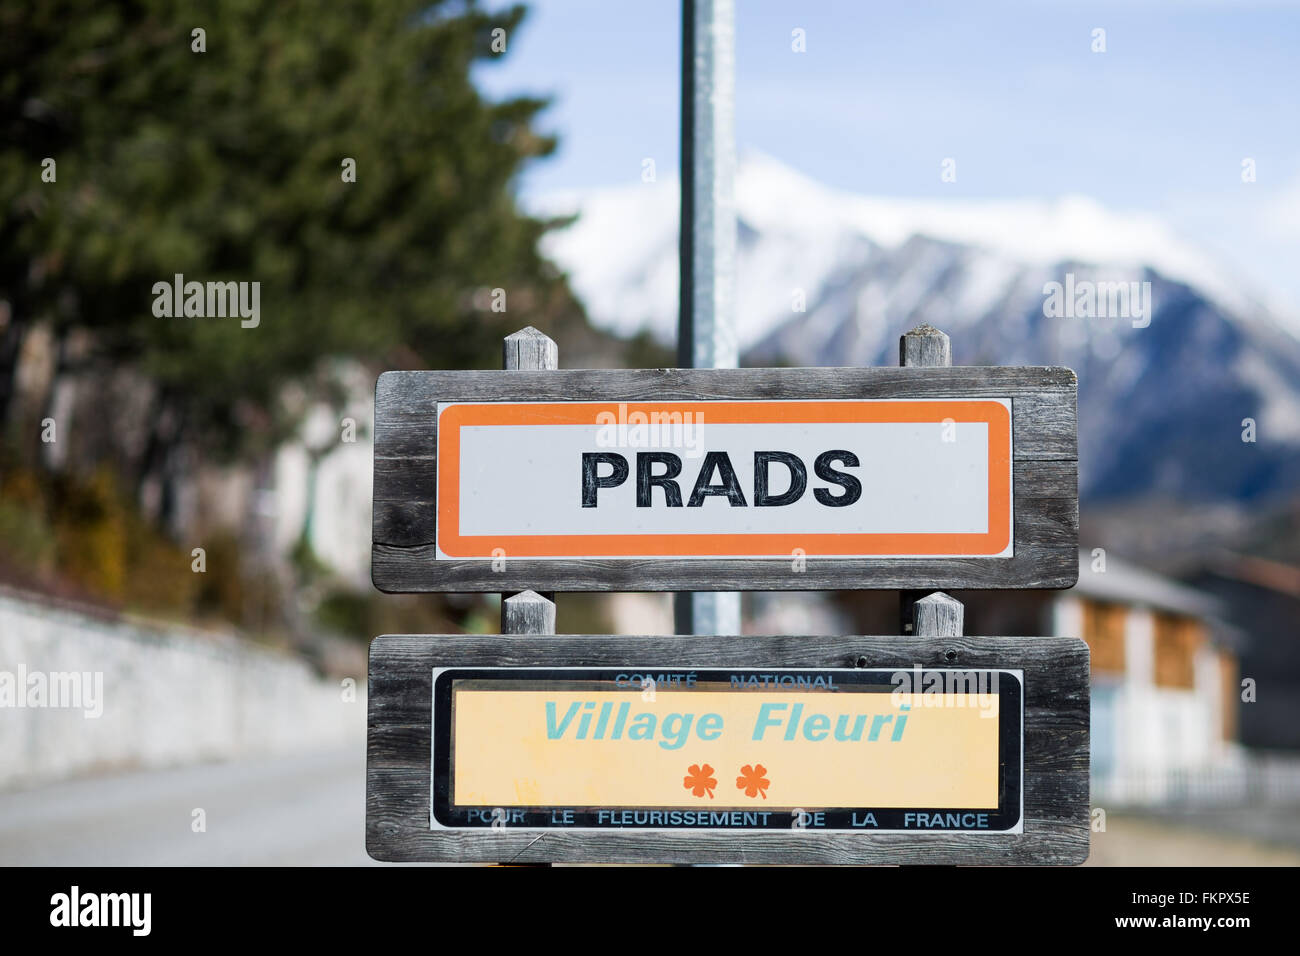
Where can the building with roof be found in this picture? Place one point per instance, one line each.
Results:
(1165, 682)
(1262, 598)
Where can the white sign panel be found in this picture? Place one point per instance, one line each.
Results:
(764, 479)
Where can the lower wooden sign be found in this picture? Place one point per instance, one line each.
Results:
(662, 749)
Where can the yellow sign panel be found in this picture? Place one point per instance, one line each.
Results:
(913, 749)
(612, 748)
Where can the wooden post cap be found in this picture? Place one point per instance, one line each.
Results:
(938, 615)
(924, 346)
(527, 613)
(529, 349)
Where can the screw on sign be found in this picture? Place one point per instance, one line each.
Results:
(700, 780)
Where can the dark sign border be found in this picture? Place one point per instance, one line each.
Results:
(1007, 818)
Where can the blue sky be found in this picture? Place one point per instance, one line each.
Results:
(1159, 122)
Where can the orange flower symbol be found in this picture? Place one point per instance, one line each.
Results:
(700, 780)
(753, 780)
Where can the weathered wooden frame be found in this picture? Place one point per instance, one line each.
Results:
(399, 751)
(1044, 479)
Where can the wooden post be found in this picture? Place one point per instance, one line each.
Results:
(937, 615)
(529, 350)
(927, 347)
(924, 347)
(529, 612)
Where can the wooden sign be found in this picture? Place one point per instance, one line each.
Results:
(970, 750)
(725, 479)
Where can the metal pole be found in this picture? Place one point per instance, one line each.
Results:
(706, 334)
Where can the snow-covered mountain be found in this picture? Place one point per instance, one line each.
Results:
(830, 278)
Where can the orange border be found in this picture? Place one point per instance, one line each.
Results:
(720, 545)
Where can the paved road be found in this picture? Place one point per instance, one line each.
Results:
(309, 810)
(1254, 836)
(301, 810)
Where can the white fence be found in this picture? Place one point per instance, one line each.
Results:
(1252, 780)
(82, 693)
